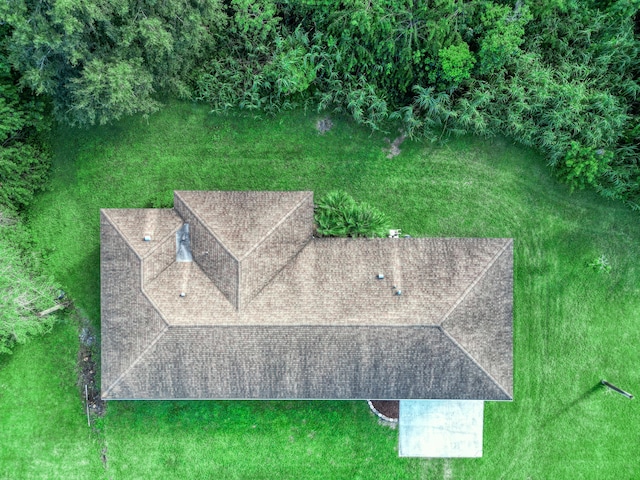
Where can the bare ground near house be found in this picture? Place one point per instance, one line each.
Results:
(393, 150)
(87, 367)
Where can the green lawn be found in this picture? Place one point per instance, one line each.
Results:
(43, 427)
(573, 325)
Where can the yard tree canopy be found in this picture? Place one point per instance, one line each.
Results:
(24, 160)
(101, 60)
(24, 293)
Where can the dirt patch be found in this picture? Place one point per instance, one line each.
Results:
(103, 456)
(87, 370)
(87, 377)
(389, 408)
(393, 150)
(324, 125)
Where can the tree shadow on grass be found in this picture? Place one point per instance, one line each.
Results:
(554, 417)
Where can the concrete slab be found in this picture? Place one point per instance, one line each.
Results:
(441, 428)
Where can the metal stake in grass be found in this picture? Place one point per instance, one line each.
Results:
(619, 390)
(86, 399)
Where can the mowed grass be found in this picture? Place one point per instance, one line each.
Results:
(43, 427)
(572, 324)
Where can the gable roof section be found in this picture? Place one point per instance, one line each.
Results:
(242, 239)
(306, 317)
(241, 220)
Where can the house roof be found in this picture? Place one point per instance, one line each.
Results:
(269, 311)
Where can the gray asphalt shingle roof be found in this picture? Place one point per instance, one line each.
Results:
(270, 311)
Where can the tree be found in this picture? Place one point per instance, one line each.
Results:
(123, 52)
(108, 91)
(502, 32)
(24, 293)
(24, 160)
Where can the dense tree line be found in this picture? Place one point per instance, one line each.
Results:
(558, 75)
(24, 159)
(24, 167)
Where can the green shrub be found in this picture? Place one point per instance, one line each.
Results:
(293, 67)
(457, 62)
(338, 215)
(584, 166)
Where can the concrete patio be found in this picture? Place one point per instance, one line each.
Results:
(441, 428)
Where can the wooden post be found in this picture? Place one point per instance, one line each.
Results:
(59, 306)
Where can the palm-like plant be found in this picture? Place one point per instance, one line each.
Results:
(338, 215)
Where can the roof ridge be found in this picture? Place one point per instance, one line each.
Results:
(480, 276)
(278, 223)
(204, 224)
(141, 286)
(470, 357)
(137, 360)
(122, 235)
(163, 239)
